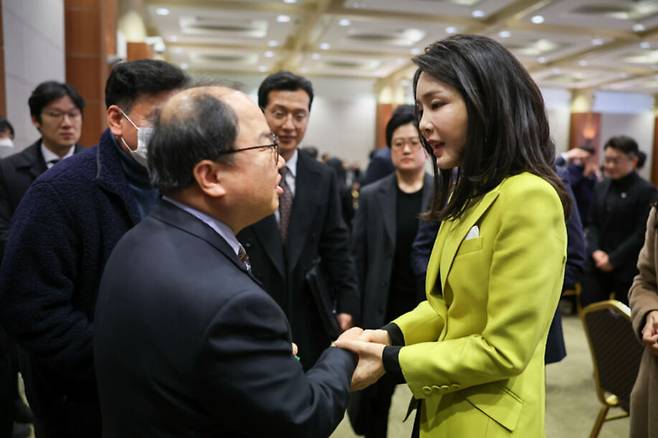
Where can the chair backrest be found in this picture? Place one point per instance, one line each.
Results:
(616, 352)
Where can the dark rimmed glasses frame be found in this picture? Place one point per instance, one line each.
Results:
(274, 146)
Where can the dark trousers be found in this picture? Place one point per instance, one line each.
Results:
(378, 399)
(8, 384)
(69, 420)
(598, 285)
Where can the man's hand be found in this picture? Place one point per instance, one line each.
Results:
(650, 332)
(602, 261)
(345, 321)
(370, 367)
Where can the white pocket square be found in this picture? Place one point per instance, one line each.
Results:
(473, 233)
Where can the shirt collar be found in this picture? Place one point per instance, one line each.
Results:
(218, 226)
(49, 155)
(291, 164)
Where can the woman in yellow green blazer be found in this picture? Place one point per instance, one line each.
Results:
(473, 352)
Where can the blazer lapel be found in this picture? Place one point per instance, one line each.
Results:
(267, 232)
(387, 204)
(304, 206)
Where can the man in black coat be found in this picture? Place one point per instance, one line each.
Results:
(56, 109)
(307, 228)
(187, 342)
(62, 233)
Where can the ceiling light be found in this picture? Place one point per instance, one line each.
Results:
(504, 34)
(290, 2)
(416, 51)
(645, 45)
(541, 60)
(478, 13)
(597, 42)
(325, 46)
(262, 68)
(283, 18)
(269, 54)
(162, 11)
(583, 63)
(537, 19)
(272, 43)
(451, 29)
(637, 27)
(184, 66)
(315, 56)
(344, 22)
(556, 71)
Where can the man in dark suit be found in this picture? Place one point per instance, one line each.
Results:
(62, 233)
(307, 228)
(56, 110)
(187, 343)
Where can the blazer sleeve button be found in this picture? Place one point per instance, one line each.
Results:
(427, 390)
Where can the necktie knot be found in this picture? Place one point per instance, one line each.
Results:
(52, 162)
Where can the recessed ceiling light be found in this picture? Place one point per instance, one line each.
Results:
(556, 71)
(262, 68)
(172, 38)
(637, 27)
(283, 18)
(325, 46)
(583, 63)
(344, 22)
(269, 54)
(162, 11)
(272, 43)
(416, 51)
(597, 42)
(315, 56)
(478, 13)
(537, 19)
(541, 60)
(290, 2)
(645, 45)
(504, 34)
(184, 66)
(451, 29)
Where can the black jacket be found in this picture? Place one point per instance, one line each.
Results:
(189, 345)
(316, 229)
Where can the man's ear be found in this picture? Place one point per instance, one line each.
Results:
(114, 117)
(36, 123)
(207, 175)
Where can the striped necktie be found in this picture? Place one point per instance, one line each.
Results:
(244, 258)
(285, 205)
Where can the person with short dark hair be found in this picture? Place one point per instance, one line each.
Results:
(179, 308)
(472, 354)
(384, 229)
(6, 138)
(307, 231)
(63, 232)
(617, 221)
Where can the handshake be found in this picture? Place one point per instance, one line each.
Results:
(369, 346)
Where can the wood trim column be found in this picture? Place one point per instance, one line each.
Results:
(584, 128)
(383, 114)
(136, 51)
(654, 154)
(90, 36)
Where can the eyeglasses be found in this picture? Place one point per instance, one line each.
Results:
(413, 142)
(274, 146)
(59, 115)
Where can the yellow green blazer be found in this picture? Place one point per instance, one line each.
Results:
(474, 350)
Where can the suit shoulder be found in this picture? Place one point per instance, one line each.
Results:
(529, 190)
(78, 170)
(21, 156)
(373, 187)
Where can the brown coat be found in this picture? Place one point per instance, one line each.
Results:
(643, 298)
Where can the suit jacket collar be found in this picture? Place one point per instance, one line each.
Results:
(451, 234)
(31, 160)
(179, 218)
(111, 177)
(307, 198)
(267, 231)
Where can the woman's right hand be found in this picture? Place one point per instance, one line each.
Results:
(650, 332)
(378, 336)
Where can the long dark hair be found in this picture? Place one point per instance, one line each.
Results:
(507, 131)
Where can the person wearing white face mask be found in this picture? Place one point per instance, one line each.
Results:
(66, 227)
(6, 138)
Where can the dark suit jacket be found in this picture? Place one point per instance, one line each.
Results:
(617, 223)
(187, 344)
(373, 245)
(17, 173)
(316, 229)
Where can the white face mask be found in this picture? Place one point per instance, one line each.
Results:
(6, 142)
(143, 136)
